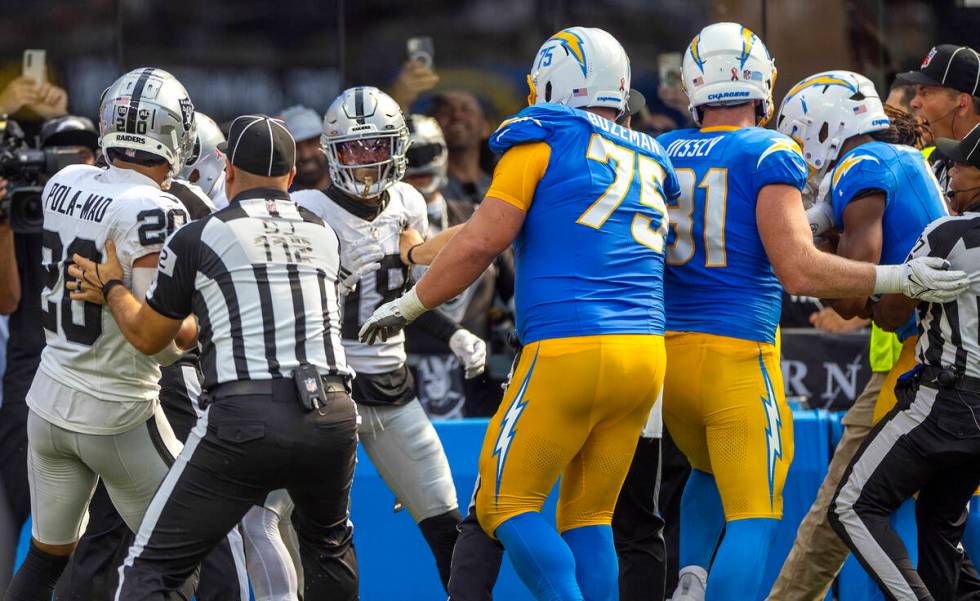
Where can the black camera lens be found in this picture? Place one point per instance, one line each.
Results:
(26, 211)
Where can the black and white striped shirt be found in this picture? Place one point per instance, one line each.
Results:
(948, 332)
(261, 278)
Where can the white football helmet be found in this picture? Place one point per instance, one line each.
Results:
(148, 110)
(727, 64)
(205, 158)
(427, 153)
(365, 139)
(580, 67)
(825, 109)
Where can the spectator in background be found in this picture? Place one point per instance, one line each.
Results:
(413, 79)
(464, 124)
(311, 164)
(440, 384)
(71, 132)
(46, 100)
(900, 95)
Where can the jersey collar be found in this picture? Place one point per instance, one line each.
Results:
(269, 193)
(121, 174)
(354, 207)
(720, 128)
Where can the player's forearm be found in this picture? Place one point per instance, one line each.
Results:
(425, 253)
(893, 311)
(126, 311)
(9, 277)
(458, 265)
(187, 335)
(849, 308)
(822, 275)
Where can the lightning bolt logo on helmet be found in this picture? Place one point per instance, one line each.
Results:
(696, 53)
(573, 44)
(508, 427)
(820, 80)
(748, 40)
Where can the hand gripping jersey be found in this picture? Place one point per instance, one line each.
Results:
(913, 198)
(589, 258)
(718, 278)
(83, 207)
(355, 222)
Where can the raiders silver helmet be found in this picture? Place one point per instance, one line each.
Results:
(427, 154)
(148, 110)
(205, 158)
(365, 139)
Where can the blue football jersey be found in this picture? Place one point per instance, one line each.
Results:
(718, 278)
(590, 256)
(913, 198)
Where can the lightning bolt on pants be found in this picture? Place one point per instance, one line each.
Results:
(574, 409)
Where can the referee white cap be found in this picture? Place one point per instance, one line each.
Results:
(260, 145)
(303, 122)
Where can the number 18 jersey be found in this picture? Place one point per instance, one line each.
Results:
(718, 278)
(84, 207)
(355, 223)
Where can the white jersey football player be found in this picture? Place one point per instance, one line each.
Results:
(204, 168)
(93, 403)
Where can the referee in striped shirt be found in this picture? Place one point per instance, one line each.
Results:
(260, 277)
(930, 442)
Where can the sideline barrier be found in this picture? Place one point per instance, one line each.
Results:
(395, 562)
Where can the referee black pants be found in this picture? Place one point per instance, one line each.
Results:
(930, 446)
(243, 447)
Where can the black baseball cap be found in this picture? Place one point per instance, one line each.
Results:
(635, 101)
(966, 150)
(260, 145)
(69, 130)
(948, 66)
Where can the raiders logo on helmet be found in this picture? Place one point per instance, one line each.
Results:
(186, 112)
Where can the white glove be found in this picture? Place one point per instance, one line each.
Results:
(391, 317)
(925, 278)
(364, 257)
(470, 350)
(821, 214)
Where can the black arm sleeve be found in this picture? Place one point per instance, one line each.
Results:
(437, 325)
(171, 293)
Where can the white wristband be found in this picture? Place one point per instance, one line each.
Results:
(888, 279)
(410, 306)
(820, 218)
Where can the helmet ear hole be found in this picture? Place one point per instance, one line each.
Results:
(547, 92)
(824, 132)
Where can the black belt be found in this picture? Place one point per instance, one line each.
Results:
(280, 389)
(947, 377)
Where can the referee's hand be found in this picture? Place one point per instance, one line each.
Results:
(90, 277)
